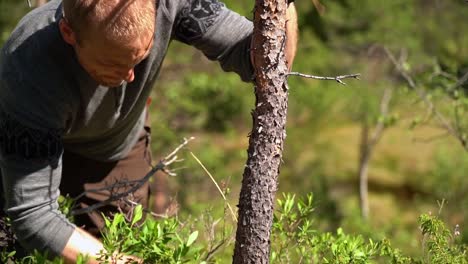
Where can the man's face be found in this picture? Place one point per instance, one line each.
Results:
(110, 63)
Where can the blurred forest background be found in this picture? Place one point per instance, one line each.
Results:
(404, 122)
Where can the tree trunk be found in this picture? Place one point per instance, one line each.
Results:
(366, 148)
(364, 157)
(260, 177)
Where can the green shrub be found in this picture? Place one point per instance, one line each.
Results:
(153, 241)
(294, 240)
(440, 245)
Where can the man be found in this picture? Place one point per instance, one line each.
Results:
(75, 77)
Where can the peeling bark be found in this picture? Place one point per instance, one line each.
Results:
(260, 177)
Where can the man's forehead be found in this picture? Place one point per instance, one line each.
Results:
(124, 53)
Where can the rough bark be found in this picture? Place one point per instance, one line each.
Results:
(260, 177)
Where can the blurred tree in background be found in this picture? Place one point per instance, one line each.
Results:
(416, 167)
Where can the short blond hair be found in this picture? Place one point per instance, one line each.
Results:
(117, 20)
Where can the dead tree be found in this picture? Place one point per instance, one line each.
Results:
(260, 177)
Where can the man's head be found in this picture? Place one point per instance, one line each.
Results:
(110, 37)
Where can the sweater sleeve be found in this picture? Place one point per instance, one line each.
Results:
(32, 114)
(30, 166)
(218, 32)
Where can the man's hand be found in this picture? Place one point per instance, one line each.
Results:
(85, 244)
(291, 34)
(82, 243)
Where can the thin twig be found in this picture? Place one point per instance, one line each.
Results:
(384, 104)
(431, 139)
(169, 159)
(119, 184)
(336, 78)
(217, 186)
(441, 205)
(461, 81)
(423, 95)
(119, 196)
(210, 254)
(133, 203)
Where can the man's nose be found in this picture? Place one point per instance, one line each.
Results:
(130, 76)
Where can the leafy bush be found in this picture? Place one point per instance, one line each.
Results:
(440, 245)
(152, 241)
(294, 240)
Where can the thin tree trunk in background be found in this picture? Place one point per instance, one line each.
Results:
(364, 157)
(260, 177)
(367, 146)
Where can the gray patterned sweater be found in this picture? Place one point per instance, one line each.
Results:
(48, 103)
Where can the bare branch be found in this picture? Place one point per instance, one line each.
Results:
(170, 158)
(431, 139)
(119, 184)
(170, 161)
(423, 95)
(384, 103)
(169, 172)
(135, 184)
(134, 204)
(213, 250)
(461, 81)
(336, 78)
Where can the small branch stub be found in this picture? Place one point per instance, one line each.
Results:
(336, 78)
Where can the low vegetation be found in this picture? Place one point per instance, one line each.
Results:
(295, 239)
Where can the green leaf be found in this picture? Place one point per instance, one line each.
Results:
(192, 238)
(137, 214)
(108, 223)
(119, 218)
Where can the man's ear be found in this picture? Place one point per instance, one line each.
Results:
(67, 32)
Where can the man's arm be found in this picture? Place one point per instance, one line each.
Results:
(30, 162)
(218, 32)
(30, 170)
(291, 34)
(223, 35)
